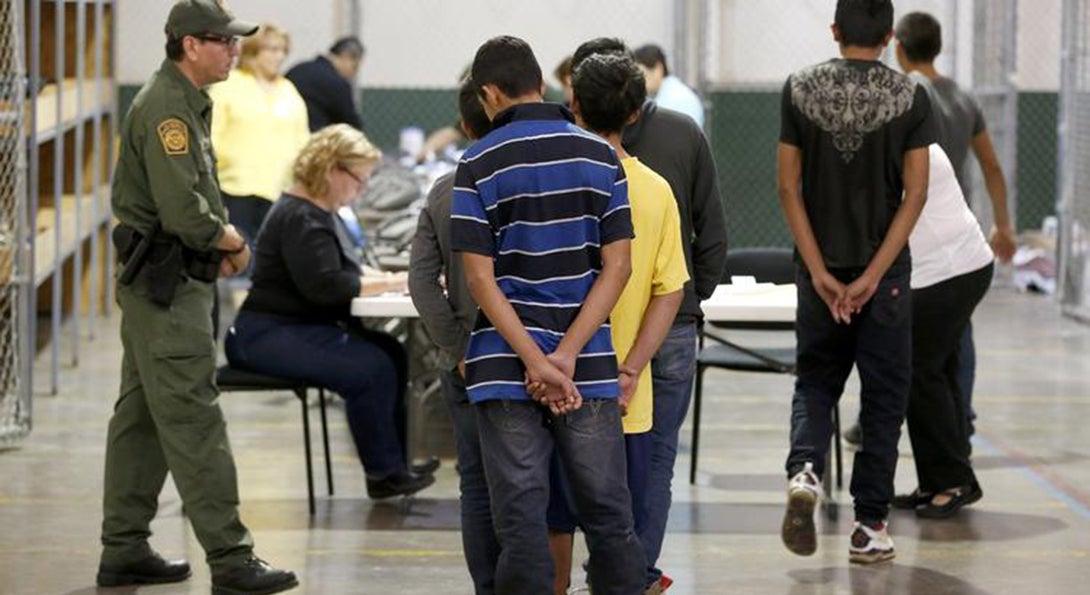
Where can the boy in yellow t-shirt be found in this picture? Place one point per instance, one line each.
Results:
(608, 91)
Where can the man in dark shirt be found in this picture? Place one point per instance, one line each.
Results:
(448, 314)
(853, 169)
(673, 146)
(327, 85)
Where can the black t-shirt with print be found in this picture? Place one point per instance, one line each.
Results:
(853, 120)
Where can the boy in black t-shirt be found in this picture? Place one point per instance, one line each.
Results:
(853, 167)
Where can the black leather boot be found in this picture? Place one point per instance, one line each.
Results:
(152, 570)
(253, 577)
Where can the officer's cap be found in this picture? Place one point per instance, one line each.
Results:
(193, 17)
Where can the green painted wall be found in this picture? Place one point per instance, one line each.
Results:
(387, 111)
(1038, 115)
(744, 128)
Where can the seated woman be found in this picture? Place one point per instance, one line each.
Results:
(296, 321)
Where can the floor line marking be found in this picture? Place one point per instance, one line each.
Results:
(1049, 482)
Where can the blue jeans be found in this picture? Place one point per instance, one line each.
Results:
(478, 537)
(879, 342)
(365, 368)
(967, 372)
(672, 371)
(517, 440)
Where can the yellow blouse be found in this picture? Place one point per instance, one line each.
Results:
(256, 134)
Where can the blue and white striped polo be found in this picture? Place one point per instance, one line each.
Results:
(541, 196)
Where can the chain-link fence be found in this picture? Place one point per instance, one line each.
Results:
(411, 79)
(755, 46)
(995, 59)
(1075, 155)
(1037, 82)
(14, 394)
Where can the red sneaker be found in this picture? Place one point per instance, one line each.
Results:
(659, 586)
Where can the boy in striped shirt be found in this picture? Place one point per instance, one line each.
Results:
(542, 220)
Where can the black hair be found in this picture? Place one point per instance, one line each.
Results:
(609, 89)
(474, 120)
(651, 55)
(509, 63)
(599, 45)
(864, 23)
(920, 35)
(350, 45)
(174, 48)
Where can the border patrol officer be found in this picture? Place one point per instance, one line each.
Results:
(173, 240)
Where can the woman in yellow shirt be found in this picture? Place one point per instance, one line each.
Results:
(259, 124)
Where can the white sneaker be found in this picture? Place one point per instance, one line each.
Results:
(803, 494)
(870, 543)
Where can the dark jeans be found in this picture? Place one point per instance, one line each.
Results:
(517, 439)
(938, 424)
(247, 213)
(672, 371)
(368, 369)
(561, 515)
(879, 342)
(478, 537)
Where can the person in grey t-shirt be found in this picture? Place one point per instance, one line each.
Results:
(959, 122)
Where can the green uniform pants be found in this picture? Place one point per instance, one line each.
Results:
(167, 418)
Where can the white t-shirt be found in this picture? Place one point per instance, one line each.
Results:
(947, 241)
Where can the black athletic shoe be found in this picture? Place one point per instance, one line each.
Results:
(427, 467)
(403, 483)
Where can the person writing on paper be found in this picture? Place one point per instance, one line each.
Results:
(296, 321)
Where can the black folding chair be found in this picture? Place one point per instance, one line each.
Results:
(767, 265)
(234, 380)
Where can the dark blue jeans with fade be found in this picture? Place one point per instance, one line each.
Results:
(478, 537)
(366, 368)
(878, 341)
(672, 372)
(517, 441)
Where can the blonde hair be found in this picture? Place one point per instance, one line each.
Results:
(332, 146)
(252, 45)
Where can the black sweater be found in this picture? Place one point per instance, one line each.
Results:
(305, 268)
(327, 94)
(674, 146)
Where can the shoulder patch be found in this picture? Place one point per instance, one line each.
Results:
(174, 135)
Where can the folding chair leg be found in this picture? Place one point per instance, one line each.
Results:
(302, 394)
(325, 440)
(697, 394)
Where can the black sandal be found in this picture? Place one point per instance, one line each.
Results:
(911, 500)
(961, 496)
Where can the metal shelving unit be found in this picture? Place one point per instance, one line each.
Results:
(70, 143)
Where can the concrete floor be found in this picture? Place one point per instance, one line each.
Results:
(1030, 533)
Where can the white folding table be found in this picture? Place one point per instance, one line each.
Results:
(761, 302)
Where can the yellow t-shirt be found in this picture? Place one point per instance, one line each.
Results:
(256, 134)
(658, 268)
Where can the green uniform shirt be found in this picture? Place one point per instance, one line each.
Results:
(166, 170)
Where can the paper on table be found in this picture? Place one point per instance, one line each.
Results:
(745, 288)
